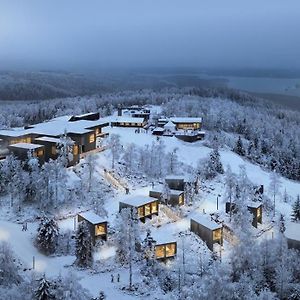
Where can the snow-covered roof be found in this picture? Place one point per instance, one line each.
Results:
(205, 220)
(92, 217)
(254, 204)
(27, 146)
(48, 139)
(292, 231)
(159, 189)
(159, 129)
(163, 237)
(170, 125)
(138, 200)
(127, 120)
(186, 120)
(56, 127)
(177, 177)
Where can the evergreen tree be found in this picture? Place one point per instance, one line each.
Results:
(213, 165)
(239, 147)
(47, 235)
(101, 296)
(84, 256)
(43, 291)
(281, 223)
(296, 210)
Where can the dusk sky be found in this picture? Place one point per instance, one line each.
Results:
(70, 34)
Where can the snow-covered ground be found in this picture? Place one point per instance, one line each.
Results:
(188, 153)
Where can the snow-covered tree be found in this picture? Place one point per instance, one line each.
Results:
(43, 291)
(239, 147)
(47, 235)
(230, 183)
(275, 184)
(65, 149)
(8, 270)
(89, 168)
(115, 148)
(84, 254)
(296, 210)
(212, 166)
(281, 223)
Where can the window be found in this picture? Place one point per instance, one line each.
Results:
(75, 150)
(160, 251)
(92, 138)
(97, 131)
(40, 152)
(141, 211)
(170, 250)
(147, 209)
(154, 207)
(100, 229)
(217, 234)
(53, 150)
(258, 212)
(180, 200)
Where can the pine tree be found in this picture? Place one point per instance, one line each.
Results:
(281, 223)
(148, 246)
(84, 256)
(43, 291)
(239, 147)
(47, 235)
(296, 210)
(101, 296)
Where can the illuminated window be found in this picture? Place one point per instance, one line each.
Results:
(180, 200)
(258, 212)
(100, 229)
(141, 211)
(97, 131)
(92, 138)
(40, 152)
(53, 150)
(160, 251)
(170, 250)
(217, 234)
(154, 207)
(75, 150)
(28, 140)
(147, 209)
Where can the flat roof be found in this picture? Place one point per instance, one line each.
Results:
(127, 120)
(26, 146)
(206, 221)
(158, 129)
(48, 139)
(92, 217)
(292, 231)
(55, 127)
(159, 189)
(254, 204)
(185, 120)
(138, 200)
(163, 237)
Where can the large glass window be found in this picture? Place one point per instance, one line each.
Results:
(97, 131)
(154, 207)
(141, 211)
(217, 234)
(75, 150)
(160, 251)
(170, 250)
(92, 138)
(258, 212)
(53, 150)
(100, 229)
(147, 209)
(180, 200)
(40, 152)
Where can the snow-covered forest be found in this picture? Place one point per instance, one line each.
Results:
(249, 142)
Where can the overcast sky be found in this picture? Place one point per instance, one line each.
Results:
(73, 34)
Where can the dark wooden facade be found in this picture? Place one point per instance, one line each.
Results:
(146, 206)
(175, 197)
(20, 151)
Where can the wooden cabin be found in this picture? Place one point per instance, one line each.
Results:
(190, 137)
(146, 206)
(187, 123)
(128, 122)
(176, 197)
(208, 230)
(178, 182)
(97, 226)
(158, 131)
(255, 209)
(292, 234)
(51, 149)
(21, 150)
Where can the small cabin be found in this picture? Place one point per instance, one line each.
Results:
(292, 234)
(128, 122)
(176, 197)
(97, 226)
(255, 209)
(20, 150)
(158, 131)
(187, 123)
(146, 206)
(208, 230)
(178, 182)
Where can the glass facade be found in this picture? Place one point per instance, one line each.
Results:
(100, 229)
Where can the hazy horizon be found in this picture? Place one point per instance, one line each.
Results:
(100, 35)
